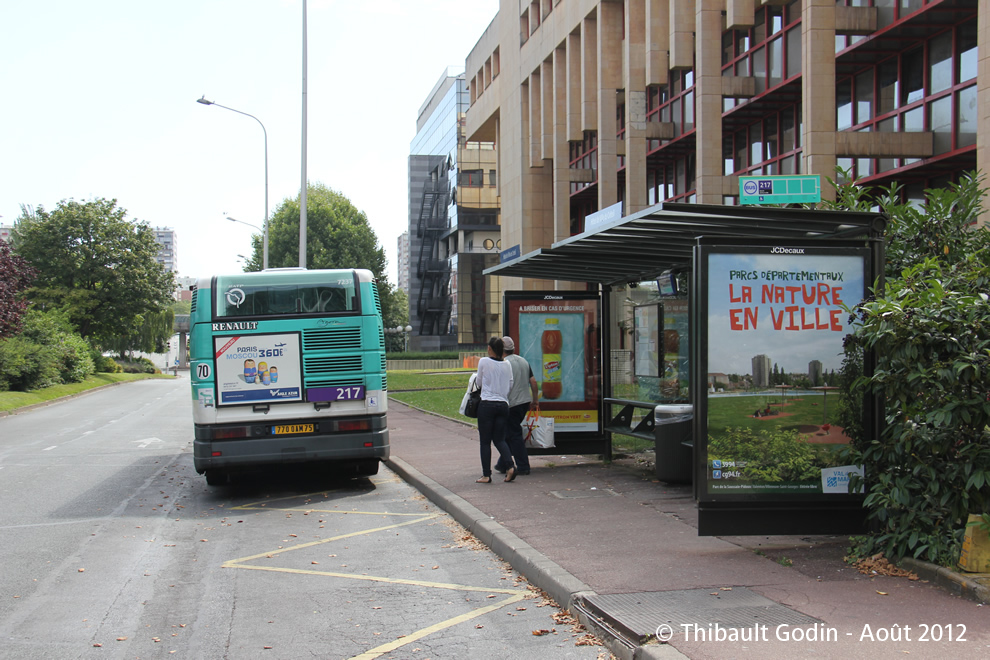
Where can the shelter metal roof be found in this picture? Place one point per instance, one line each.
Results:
(641, 246)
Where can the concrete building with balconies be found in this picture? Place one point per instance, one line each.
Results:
(591, 103)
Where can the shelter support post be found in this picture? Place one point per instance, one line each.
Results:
(607, 359)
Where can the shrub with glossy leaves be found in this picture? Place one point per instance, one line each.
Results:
(931, 466)
(929, 332)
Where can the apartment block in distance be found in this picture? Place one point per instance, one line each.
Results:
(402, 250)
(594, 102)
(165, 237)
(453, 227)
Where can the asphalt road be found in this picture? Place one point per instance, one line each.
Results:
(113, 547)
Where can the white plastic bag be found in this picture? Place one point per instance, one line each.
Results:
(538, 430)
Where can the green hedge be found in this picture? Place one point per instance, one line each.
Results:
(438, 355)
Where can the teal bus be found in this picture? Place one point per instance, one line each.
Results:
(287, 365)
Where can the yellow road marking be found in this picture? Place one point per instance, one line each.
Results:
(375, 578)
(247, 507)
(514, 595)
(234, 562)
(419, 634)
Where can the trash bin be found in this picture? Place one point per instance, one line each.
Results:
(673, 442)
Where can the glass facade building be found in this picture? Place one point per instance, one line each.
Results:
(451, 205)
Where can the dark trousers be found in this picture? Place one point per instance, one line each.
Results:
(493, 417)
(514, 437)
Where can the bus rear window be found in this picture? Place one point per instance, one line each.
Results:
(263, 294)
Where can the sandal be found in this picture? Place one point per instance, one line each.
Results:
(483, 480)
(510, 474)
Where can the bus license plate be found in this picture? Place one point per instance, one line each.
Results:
(292, 428)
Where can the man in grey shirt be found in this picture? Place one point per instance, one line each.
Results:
(523, 397)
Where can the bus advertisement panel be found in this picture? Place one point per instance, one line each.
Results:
(258, 368)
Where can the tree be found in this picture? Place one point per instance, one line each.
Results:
(337, 236)
(15, 276)
(98, 266)
(150, 335)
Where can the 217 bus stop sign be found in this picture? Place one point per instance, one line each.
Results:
(787, 189)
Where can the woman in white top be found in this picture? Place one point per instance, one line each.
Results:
(495, 379)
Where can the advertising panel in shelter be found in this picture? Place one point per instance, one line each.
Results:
(776, 319)
(558, 333)
(258, 368)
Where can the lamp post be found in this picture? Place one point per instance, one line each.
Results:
(264, 252)
(265, 263)
(405, 336)
(404, 331)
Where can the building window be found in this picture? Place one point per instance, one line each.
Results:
(966, 117)
(913, 75)
(967, 51)
(472, 178)
(940, 63)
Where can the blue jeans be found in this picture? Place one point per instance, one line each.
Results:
(493, 417)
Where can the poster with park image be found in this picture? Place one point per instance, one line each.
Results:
(777, 317)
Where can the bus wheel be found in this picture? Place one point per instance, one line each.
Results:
(368, 468)
(216, 478)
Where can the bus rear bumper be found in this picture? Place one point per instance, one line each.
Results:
(247, 453)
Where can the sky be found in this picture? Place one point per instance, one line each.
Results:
(99, 101)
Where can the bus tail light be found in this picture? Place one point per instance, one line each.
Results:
(228, 433)
(354, 425)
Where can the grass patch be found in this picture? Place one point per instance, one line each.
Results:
(13, 400)
(440, 393)
(402, 380)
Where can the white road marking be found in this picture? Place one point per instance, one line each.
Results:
(49, 448)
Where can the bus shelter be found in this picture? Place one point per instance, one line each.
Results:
(738, 288)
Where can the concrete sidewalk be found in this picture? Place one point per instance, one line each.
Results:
(621, 551)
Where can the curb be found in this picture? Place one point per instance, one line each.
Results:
(541, 572)
(956, 583)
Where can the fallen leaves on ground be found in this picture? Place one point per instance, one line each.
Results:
(879, 565)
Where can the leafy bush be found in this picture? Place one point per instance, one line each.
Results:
(141, 365)
(25, 365)
(930, 468)
(74, 362)
(104, 364)
(47, 352)
(929, 333)
(70, 352)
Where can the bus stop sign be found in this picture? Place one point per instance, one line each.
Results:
(797, 189)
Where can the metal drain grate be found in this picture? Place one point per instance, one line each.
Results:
(639, 614)
(575, 494)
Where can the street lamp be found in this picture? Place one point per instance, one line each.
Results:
(404, 331)
(254, 227)
(264, 253)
